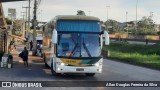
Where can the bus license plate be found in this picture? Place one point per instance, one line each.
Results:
(79, 69)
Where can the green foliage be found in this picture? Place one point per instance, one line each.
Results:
(9, 22)
(158, 32)
(134, 48)
(146, 26)
(17, 27)
(81, 12)
(146, 55)
(114, 24)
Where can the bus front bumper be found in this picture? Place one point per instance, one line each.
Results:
(74, 69)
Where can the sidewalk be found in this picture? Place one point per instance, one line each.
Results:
(19, 61)
(35, 71)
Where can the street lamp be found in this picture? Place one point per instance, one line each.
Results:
(127, 21)
(151, 14)
(136, 15)
(107, 11)
(89, 12)
(107, 15)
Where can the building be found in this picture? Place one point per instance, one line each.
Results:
(3, 31)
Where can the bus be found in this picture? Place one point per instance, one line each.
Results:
(73, 44)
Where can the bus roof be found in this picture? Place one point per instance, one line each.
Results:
(76, 17)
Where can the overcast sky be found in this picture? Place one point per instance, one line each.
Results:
(48, 9)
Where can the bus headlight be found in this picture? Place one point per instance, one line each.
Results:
(62, 64)
(100, 70)
(97, 64)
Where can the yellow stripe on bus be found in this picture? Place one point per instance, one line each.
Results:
(73, 62)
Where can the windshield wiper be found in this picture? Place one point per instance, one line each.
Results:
(85, 47)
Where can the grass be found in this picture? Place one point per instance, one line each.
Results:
(144, 55)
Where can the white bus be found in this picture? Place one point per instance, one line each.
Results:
(73, 44)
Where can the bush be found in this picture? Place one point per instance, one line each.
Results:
(133, 48)
(145, 55)
(158, 32)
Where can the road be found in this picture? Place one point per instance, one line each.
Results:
(139, 42)
(112, 71)
(144, 43)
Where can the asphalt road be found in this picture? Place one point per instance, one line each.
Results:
(112, 71)
(144, 43)
(139, 42)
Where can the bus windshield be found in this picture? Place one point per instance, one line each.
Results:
(79, 45)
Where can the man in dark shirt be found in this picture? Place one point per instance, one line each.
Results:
(25, 56)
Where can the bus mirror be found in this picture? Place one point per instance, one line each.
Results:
(54, 36)
(106, 36)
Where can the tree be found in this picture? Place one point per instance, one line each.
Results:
(80, 12)
(112, 26)
(146, 26)
(9, 22)
(158, 32)
(17, 27)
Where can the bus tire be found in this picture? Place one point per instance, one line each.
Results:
(53, 72)
(90, 74)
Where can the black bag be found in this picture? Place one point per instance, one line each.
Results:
(21, 55)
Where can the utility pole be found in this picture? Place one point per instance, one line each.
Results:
(25, 19)
(29, 14)
(23, 15)
(26, 12)
(28, 19)
(127, 21)
(23, 23)
(107, 12)
(151, 14)
(136, 17)
(22, 27)
(34, 24)
(89, 13)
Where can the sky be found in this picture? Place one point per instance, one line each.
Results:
(117, 9)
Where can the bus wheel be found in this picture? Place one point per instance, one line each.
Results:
(90, 74)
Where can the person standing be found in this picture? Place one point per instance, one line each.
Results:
(38, 49)
(11, 46)
(31, 45)
(25, 56)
